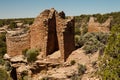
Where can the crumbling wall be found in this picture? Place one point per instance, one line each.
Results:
(43, 32)
(65, 33)
(51, 31)
(94, 26)
(39, 31)
(17, 43)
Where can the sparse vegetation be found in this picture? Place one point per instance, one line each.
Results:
(91, 42)
(24, 52)
(1, 23)
(23, 20)
(12, 25)
(110, 63)
(24, 75)
(100, 18)
(72, 62)
(7, 66)
(2, 44)
(2, 62)
(81, 69)
(4, 75)
(31, 54)
(77, 31)
(83, 29)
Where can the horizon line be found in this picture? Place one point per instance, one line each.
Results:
(66, 15)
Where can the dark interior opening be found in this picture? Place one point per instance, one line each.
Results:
(52, 44)
(13, 74)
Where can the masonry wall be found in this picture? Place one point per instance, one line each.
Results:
(65, 34)
(39, 32)
(69, 44)
(16, 44)
(94, 26)
(51, 32)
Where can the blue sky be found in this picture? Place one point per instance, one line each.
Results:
(32, 8)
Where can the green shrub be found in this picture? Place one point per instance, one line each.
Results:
(91, 42)
(1, 23)
(12, 25)
(77, 31)
(2, 62)
(83, 29)
(78, 41)
(24, 75)
(24, 52)
(31, 55)
(2, 44)
(81, 69)
(72, 62)
(110, 63)
(102, 37)
(4, 75)
(8, 66)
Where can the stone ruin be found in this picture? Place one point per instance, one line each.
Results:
(16, 42)
(50, 32)
(94, 26)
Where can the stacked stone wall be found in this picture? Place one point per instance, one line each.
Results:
(16, 44)
(94, 26)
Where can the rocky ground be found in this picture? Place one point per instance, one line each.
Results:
(66, 71)
(51, 69)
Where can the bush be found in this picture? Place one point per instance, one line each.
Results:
(24, 75)
(77, 31)
(81, 69)
(8, 66)
(78, 41)
(24, 52)
(110, 63)
(2, 62)
(83, 29)
(102, 37)
(72, 62)
(12, 25)
(91, 42)
(31, 55)
(1, 23)
(4, 75)
(92, 46)
(2, 44)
